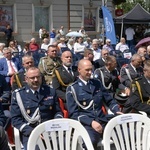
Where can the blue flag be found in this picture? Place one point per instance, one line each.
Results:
(109, 25)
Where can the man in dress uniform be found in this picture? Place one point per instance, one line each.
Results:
(85, 99)
(32, 104)
(19, 78)
(65, 75)
(48, 64)
(131, 71)
(140, 96)
(108, 75)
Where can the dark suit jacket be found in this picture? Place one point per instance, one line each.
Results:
(2, 116)
(124, 77)
(135, 100)
(5, 90)
(66, 78)
(99, 63)
(4, 67)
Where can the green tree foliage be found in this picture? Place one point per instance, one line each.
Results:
(128, 5)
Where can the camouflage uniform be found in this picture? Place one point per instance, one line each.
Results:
(47, 66)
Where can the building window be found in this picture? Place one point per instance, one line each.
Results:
(41, 17)
(90, 19)
(6, 17)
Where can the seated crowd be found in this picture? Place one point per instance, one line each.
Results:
(85, 75)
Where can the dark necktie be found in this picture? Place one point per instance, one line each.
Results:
(36, 94)
(70, 72)
(88, 85)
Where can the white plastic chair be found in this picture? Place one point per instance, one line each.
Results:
(128, 132)
(18, 144)
(59, 134)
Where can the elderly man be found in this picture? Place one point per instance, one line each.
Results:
(128, 73)
(49, 63)
(19, 78)
(33, 104)
(33, 46)
(65, 75)
(131, 71)
(142, 52)
(122, 46)
(101, 62)
(85, 99)
(140, 96)
(96, 50)
(108, 75)
(108, 45)
(8, 65)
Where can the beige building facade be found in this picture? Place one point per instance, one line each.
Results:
(27, 16)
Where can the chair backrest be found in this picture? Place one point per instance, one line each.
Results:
(121, 62)
(59, 134)
(128, 132)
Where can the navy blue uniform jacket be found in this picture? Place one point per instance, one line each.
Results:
(84, 97)
(47, 103)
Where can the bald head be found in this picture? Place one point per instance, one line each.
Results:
(85, 69)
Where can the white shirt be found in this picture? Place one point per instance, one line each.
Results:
(40, 33)
(85, 82)
(97, 54)
(60, 45)
(9, 67)
(79, 48)
(129, 34)
(121, 47)
(133, 67)
(44, 46)
(68, 70)
(62, 32)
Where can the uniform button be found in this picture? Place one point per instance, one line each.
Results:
(50, 107)
(28, 111)
(84, 103)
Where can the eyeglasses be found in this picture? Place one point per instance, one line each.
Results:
(54, 51)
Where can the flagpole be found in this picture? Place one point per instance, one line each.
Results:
(103, 29)
(104, 2)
